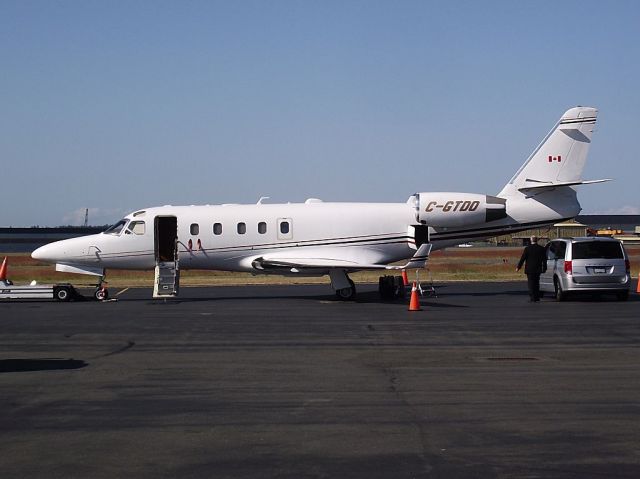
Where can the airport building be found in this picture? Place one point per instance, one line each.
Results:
(623, 227)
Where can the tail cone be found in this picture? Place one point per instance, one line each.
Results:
(405, 279)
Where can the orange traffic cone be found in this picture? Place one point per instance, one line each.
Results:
(405, 280)
(3, 269)
(637, 288)
(414, 304)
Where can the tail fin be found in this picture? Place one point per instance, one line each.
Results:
(560, 158)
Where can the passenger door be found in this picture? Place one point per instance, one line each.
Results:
(546, 278)
(555, 261)
(167, 271)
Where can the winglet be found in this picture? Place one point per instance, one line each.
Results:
(419, 259)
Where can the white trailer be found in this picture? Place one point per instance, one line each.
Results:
(60, 292)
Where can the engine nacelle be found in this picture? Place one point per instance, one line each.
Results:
(458, 209)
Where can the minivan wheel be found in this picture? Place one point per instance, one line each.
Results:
(560, 294)
(623, 295)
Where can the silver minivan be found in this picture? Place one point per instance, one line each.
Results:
(588, 264)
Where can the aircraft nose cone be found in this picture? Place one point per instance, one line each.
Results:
(52, 252)
(63, 251)
(43, 253)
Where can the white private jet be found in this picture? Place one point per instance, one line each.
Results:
(317, 238)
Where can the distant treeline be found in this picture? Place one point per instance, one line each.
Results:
(24, 240)
(54, 229)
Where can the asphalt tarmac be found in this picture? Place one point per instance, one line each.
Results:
(289, 382)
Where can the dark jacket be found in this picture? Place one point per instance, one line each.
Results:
(534, 259)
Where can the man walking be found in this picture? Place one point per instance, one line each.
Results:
(535, 261)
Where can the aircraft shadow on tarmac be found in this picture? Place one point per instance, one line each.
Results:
(367, 297)
(46, 364)
(442, 291)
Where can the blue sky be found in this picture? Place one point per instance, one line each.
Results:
(116, 106)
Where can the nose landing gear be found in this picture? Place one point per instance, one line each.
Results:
(101, 292)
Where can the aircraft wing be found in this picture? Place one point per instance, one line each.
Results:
(325, 262)
(79, 269)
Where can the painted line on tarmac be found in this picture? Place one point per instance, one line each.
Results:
(121, 291)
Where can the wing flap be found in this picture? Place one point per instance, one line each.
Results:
(294, 265)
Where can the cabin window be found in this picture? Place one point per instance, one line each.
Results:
(117, 228)
(285, 228)
(136, 227)
(217, 228)
(242, 228)
(262, 227)
(194, 229)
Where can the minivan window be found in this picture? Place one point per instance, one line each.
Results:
(557, 249)
(561, 250)
(597, 249)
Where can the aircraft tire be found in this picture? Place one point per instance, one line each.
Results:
(400, 291)
(101, 294)
(391, 288)
(347, 294)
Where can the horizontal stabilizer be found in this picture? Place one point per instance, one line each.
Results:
(535, 185)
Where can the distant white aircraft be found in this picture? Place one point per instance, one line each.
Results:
(317, 238)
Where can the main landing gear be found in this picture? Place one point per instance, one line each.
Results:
(347, 293)
(391, 288)
(343, 286)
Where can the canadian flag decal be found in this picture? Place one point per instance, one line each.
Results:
(555, 158)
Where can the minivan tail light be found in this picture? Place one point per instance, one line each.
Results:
(568, 267)
(627, 264)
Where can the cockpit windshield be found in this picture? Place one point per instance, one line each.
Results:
(117, 228)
